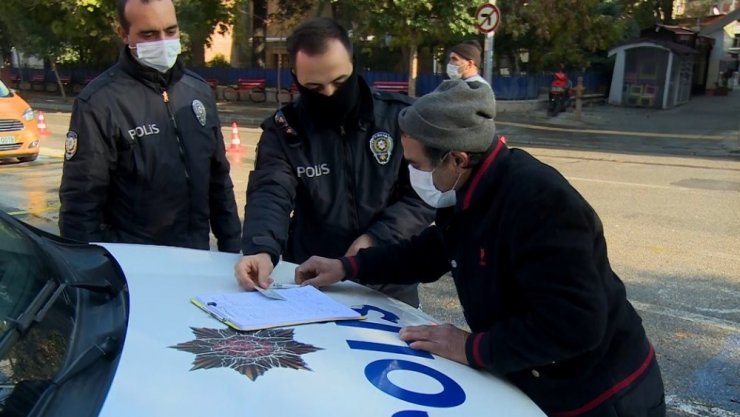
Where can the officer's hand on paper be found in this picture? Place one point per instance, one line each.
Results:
(362, 242)
(319, 272)
(444, 340)
(254, 270)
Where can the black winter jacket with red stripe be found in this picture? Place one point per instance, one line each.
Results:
(529, 261)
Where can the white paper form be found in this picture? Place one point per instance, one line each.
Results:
(253, 311)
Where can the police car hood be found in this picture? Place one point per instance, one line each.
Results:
(179, 361)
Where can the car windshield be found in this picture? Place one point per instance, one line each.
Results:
(33, 360)
(4, 90)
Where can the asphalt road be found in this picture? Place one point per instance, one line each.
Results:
(672, 222)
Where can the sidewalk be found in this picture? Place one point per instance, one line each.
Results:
(702, 116)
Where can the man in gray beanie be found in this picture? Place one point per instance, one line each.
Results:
(464, 62)
(528, 257)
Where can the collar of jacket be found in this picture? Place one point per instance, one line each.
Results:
(481, 183)
(365, 115)
(149, 76)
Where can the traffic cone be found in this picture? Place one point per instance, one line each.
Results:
(235, 141)
(41, 124)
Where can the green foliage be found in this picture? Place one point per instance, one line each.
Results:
(218, 61)
(199, 18)
(409, 22)
(642, 14)
(553, 31)
(556, 32)
(61, 28)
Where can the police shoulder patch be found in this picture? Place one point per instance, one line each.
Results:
(200, 111)
(381, 145)
(70, 145)
(281, 121)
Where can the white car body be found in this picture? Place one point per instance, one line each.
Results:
(323, 369)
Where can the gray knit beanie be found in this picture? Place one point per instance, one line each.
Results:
(457, 116)
(469, 49)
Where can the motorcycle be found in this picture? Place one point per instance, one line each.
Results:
(560, 94)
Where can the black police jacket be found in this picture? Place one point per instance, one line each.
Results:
(338, 183)
(145, 162)
(529, 261)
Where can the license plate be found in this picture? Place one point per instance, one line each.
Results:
(7, 140)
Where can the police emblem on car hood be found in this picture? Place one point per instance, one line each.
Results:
(381, 145)
(200, 112)
(70, 145)
(249, 353)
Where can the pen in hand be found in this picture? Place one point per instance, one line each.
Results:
(284, 286)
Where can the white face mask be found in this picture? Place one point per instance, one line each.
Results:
(423, 183)
(160, 55)
(453, 71)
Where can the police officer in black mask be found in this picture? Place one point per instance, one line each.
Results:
(329, 178)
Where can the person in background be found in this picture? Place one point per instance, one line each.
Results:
(529, 260)
(464, 62)
(329, 177)
(144, 156)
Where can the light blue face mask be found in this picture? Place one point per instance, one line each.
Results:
(453, 71)
(160, 55)
(423, 183)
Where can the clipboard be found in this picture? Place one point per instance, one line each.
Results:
(247, 311)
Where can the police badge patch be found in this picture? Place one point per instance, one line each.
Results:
(200, 112)
(381, 145)
(70, 145)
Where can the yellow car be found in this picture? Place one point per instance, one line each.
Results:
(19, 134)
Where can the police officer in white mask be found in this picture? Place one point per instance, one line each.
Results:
(144, 156)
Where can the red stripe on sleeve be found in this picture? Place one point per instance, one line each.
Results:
(611, 391)
(476, 351)
(354, 265)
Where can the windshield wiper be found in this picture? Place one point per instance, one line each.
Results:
(33, 313)
(106, 348)
(41, 304)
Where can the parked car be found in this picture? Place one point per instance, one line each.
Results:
(110, 330)
(19, 134)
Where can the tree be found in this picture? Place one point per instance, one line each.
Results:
(556, 32)
(646, 13)
(198, 19)
(408, 24)
(62, 30)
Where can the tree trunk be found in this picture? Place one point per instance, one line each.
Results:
(241, 30)
(197, 51)
(667, 11)
(259, 21)
(53, 63)
(413, 66)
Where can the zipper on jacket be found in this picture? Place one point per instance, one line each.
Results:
(183, 159)
(351, 186)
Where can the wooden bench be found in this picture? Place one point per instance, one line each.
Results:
(254, 88)
(14, 81)
(52, 86)
(392, 86)
(286, 95)
(37, 82)
(78, 86)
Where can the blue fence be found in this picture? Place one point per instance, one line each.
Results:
(522, 87)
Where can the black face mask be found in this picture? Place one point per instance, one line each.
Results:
(332, 110)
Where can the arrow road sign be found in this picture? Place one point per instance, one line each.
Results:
(487, 18)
